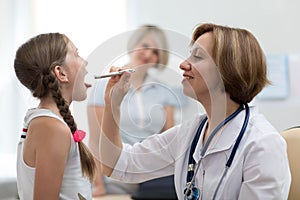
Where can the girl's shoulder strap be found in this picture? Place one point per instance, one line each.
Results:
(34, 113)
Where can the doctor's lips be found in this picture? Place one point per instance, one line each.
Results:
(115, 73)
(185, 75)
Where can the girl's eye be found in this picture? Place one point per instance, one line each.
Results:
(198, 53)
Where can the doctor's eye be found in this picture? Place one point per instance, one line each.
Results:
(197, 56)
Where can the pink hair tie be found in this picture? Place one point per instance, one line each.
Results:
(79, 135)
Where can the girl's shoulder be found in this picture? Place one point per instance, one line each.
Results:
(44, 127)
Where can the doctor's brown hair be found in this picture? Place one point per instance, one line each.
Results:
(34, 63)
(239, 58)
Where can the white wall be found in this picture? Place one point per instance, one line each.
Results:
(273, 22)
(284, 113)
(15, 27)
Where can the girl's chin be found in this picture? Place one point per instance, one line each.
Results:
(80, 94)
(82, 97)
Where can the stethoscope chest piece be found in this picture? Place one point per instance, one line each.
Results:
(191, 192)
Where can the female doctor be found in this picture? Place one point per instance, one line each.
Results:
(232, 151)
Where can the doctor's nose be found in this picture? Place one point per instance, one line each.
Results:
(185, 65)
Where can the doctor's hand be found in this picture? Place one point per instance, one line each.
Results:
(117, 87)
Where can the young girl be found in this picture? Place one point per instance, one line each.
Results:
(53, 162)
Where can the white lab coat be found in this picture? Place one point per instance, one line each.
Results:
(260, 168)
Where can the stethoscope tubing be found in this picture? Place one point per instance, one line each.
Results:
(231, 157)
(203, 151)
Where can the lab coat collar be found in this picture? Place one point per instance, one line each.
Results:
(226, 138)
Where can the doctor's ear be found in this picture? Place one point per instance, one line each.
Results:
(60, 74)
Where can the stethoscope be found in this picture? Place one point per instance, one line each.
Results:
(191, 192)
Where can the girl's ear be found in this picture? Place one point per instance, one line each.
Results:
(60, 74)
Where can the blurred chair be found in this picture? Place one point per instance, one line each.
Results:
(292, 138)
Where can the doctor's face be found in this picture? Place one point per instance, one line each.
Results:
(201, 77)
